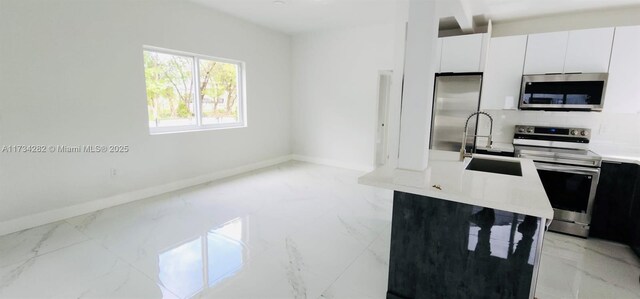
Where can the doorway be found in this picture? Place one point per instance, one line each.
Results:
(384, 93)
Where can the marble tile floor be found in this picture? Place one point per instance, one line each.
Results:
(295, 230)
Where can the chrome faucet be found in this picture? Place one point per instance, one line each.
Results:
(463, 147)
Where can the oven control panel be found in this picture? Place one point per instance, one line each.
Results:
(553, 131)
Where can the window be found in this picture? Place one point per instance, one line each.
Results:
(192, 92)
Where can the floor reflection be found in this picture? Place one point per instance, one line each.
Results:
(206, 260)
(225, 252)
(181, 268)
(502, 235)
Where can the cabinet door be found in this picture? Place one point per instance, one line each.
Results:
(611, 217)
(588, 51)
(622, 94)
(461, 53)
(503, 73)
(546, 53)
(635, 217)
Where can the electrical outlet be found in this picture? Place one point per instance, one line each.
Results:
(113, 172)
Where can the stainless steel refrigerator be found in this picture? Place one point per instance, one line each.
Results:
(456, 96)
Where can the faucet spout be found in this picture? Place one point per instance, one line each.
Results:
(463, 147)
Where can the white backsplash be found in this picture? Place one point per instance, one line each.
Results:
(621, 130)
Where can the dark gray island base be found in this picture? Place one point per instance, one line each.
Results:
(446, 249)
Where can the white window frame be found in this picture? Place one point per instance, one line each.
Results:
(199, 126)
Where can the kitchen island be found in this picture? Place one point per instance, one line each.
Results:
(459, 233)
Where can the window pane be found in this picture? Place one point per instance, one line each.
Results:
(170, 89)
(219, 92)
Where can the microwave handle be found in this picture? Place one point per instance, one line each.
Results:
(561, 73)
(566, 168)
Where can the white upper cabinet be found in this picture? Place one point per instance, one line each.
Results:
(588, 51)
(546, 53)
(503, 72)
(462, 53)
(577, 51)
(622, 94)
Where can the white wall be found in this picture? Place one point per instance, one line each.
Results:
(72, 74)
(334, 83)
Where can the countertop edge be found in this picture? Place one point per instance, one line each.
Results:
(610, 153)
(458, 199)
(386, 178)
(619, 159)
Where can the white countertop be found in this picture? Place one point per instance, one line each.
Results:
(522, 195)
(617, 153)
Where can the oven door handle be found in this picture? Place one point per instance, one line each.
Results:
(552, 158)
(566, 168)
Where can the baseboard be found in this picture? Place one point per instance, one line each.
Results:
(26, 222)
(333, 163)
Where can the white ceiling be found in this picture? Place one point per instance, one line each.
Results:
(296, 16)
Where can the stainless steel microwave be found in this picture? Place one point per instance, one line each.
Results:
(563, 92)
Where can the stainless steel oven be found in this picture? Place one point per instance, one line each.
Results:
(571, 190)
(568, 171)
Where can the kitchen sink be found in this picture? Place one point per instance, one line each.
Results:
(495, 166)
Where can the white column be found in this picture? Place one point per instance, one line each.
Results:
(419, 69)
(393, 137)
